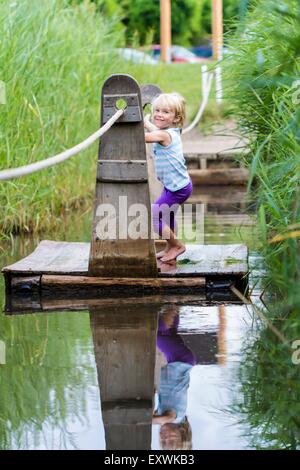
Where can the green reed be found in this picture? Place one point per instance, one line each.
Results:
(263, 73)
(268, 402)
(53, 60)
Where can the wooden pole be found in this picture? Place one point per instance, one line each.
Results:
(217, 28)
(165, 30)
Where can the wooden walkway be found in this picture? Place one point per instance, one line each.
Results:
(214, 159)
(222, 142)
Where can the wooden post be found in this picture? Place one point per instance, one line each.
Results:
(217, 28)
(122, 181)
(165, 30)
(125, 343)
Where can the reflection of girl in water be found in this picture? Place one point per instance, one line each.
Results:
(170, 413)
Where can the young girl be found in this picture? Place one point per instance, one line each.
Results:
(168, 113)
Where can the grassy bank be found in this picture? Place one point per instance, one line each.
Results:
(53, 61)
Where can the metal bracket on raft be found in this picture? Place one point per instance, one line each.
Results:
(132, 109)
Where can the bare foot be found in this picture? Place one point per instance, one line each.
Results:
(166, 267)
(161, 254)
(173, 253)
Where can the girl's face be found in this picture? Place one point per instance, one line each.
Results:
(163, 117)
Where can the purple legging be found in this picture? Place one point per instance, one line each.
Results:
(161, 213)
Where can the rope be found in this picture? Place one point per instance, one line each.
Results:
(60, 157)
(202, 107)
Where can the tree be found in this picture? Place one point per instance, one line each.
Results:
(144, 20)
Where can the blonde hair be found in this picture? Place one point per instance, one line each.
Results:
(175, 102)
(184, 437)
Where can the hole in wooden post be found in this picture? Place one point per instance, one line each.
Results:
(147, 109)
(121, 104)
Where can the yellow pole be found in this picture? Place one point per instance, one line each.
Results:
(217, 28)
(165, 30)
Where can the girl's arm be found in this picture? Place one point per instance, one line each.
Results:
(166, 417)
(158, 136)
(148, 124)
(154, 134)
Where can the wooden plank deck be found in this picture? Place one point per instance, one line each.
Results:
(71, 259)
(211, 260)
(51, 257)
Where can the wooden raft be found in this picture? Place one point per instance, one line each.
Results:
(56, 268)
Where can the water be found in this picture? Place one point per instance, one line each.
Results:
(53, 362)
(213, 378)
(49, 391)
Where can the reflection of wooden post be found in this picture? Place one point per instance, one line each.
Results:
(222, 336)
(217, 28)
(125, 344)
(165, 30)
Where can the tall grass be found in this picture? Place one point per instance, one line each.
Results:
(54, 57)
(53, 60)
(269, 404)
(262, 75)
